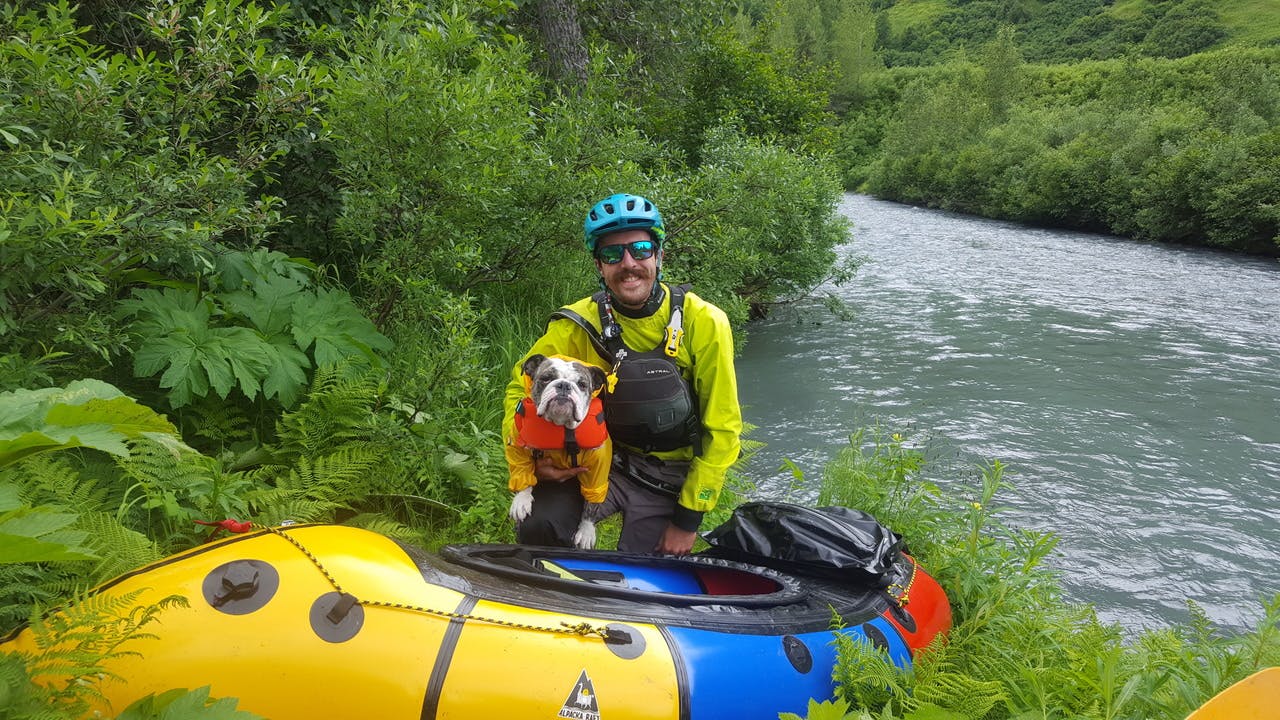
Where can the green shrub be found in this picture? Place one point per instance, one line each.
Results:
(119, 165)
(258, 327)
(756, 226)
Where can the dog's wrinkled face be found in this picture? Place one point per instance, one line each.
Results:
(562, 389)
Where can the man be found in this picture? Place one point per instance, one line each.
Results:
(672, 412)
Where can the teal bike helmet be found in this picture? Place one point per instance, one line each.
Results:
(622, 212)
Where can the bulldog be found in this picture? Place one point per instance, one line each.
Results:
(561, 419)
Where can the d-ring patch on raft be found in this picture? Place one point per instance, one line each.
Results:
(624, 641)
(240, 587)
(336, 617)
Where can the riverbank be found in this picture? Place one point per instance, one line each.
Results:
(1180, 151)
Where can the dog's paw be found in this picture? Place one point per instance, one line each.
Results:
(521, 505)
(585, 538)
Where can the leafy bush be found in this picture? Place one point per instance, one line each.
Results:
(117, 165)
(1184, 29)
(259, 328)
(769, 96)
(756, 226)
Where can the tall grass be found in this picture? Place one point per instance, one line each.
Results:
(1018, 648)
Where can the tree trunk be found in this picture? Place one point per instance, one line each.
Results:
(562, 40)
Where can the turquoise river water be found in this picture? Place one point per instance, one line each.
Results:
(1132, 389)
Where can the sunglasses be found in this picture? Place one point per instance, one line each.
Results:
(640, 250)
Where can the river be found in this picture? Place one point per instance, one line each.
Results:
(1133, 390)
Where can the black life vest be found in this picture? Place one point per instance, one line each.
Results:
(652, 406)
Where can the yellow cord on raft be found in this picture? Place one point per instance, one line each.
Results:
(904, 597)
(582, 629)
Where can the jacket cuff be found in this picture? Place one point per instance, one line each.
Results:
(686, 519)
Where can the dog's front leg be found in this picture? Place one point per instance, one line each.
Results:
(585, 537)
(521, 505)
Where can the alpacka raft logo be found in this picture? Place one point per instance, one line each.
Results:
(581, 703)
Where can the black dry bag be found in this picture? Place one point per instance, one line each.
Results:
(835, 543)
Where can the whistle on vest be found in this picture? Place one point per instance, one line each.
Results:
(672, 345)
(674, 333)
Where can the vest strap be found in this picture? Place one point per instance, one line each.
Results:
(596, 341)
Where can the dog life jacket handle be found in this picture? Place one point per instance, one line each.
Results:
(571, 446)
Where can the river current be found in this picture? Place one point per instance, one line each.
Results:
(1132, 389)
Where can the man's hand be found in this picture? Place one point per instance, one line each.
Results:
(546, 471)
(676, 541)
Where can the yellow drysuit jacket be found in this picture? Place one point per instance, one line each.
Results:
(706, 359)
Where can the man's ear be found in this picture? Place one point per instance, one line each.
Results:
(598, 378)
(530, 366)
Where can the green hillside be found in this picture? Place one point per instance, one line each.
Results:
(926, 32)
(1251, 22)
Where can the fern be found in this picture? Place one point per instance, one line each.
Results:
(937, 682)
(285, 507)
(72, 646)
(121, 548)
(337, 411)
(1262, 650)
(865, 675)
(51, 479)
(22, 587)
(219, 423)
(330, 453)
(166, 492)
(964, 695)
(313, 489)
(19, 699)
(383, 525)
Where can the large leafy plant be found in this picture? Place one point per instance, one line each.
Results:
(259, 328)
(86, 413)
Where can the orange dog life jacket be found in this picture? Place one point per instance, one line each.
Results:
(536, 433)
